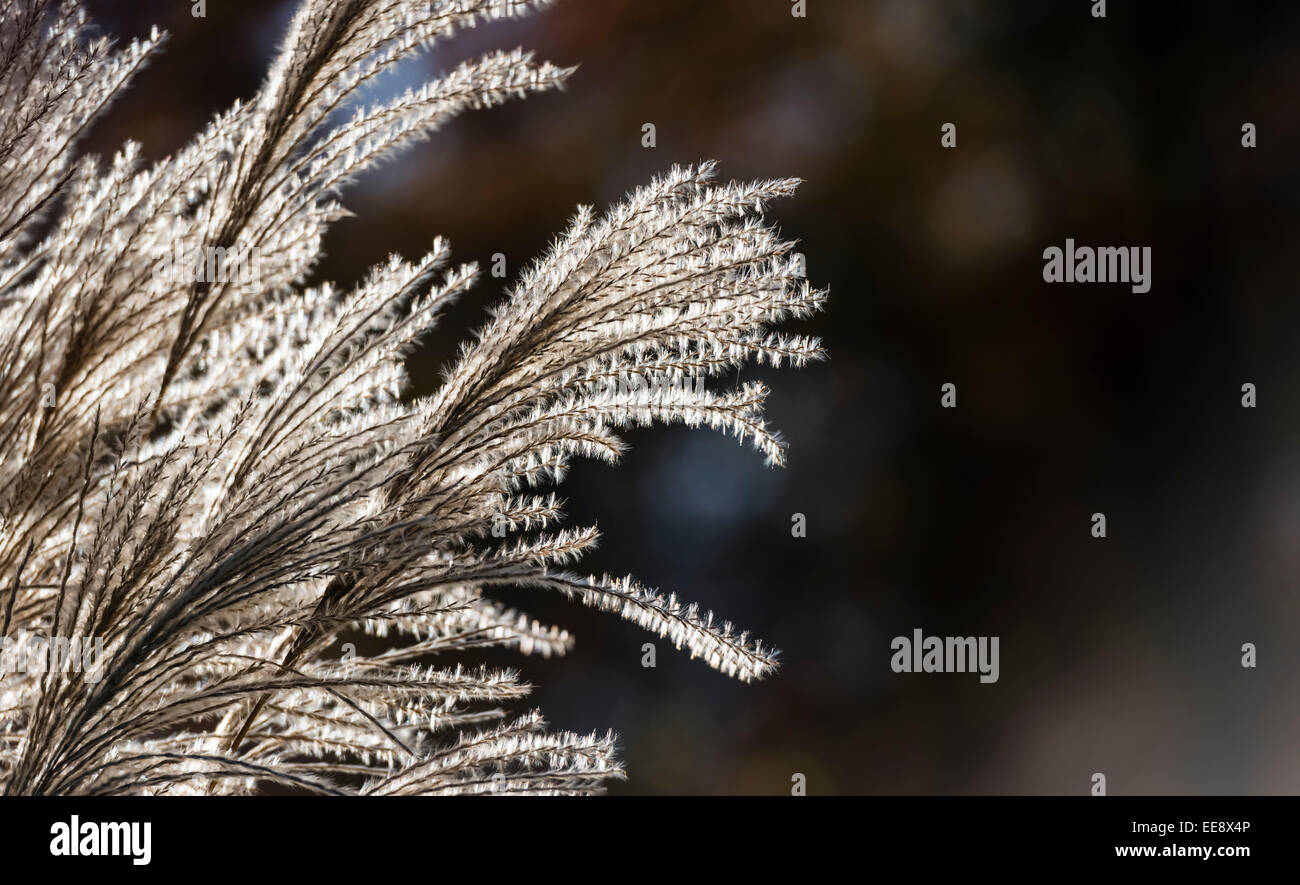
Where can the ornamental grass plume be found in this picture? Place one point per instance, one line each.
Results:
(208, 474)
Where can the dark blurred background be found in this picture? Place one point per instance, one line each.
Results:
(1121, 655)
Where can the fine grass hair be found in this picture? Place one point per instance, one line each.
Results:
(209, 474)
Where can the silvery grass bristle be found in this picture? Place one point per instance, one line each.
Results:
(214, 475)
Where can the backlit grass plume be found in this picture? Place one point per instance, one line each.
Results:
(207, 475)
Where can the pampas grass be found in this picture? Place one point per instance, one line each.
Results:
(206, 465)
